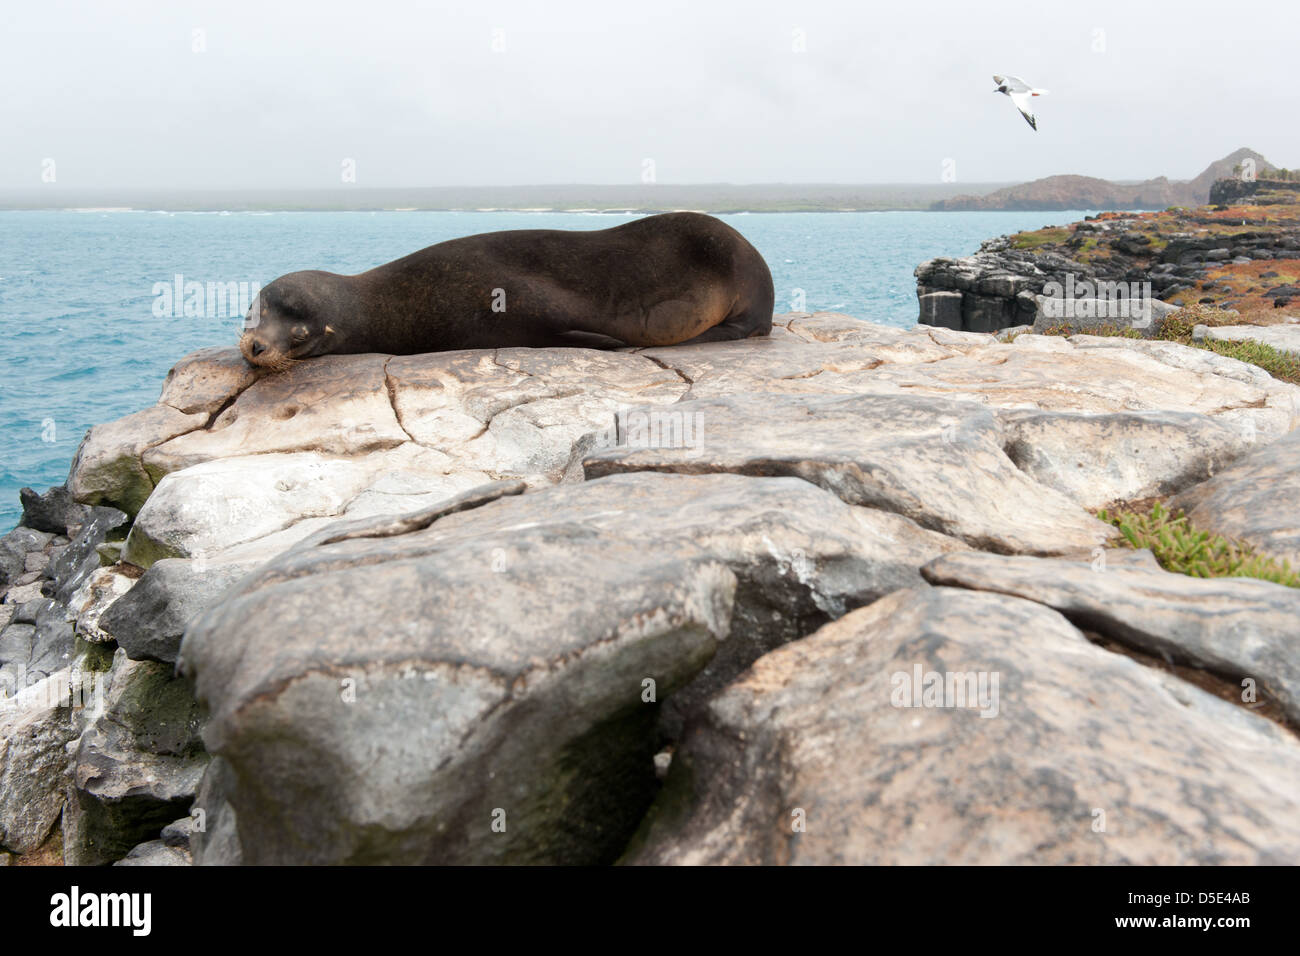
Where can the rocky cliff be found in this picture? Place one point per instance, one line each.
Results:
(1255, 192)
(838, 595)
(1243, 256)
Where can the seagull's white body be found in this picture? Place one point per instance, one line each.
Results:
(1020, 92)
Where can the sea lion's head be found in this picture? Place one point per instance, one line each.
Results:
(291, 320)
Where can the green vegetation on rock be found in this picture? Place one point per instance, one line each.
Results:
(1041, 237)
(1178, 328)
(1281, 365)
(1106, 329)
(1180, 547)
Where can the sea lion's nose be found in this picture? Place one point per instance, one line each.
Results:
(257, 349)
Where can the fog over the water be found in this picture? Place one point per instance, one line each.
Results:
(241, 94)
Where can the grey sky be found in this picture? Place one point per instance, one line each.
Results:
(584, 91)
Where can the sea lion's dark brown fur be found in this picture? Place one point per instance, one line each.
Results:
(662, 280)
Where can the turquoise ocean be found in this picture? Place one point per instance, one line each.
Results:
(81, 340)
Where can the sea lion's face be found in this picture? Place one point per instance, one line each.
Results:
(287, 322)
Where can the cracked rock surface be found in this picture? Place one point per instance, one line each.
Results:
(355, 435)
(816, 754)
(1241, 628)
(895, 453)
(513, 663)
(456, 608)
(1257, 500)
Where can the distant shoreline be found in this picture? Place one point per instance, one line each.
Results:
(648, 211)
(1052, 194)
(632, 199)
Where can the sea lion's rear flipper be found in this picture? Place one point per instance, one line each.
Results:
(741, 326)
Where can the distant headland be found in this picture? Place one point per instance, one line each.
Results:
(1050, 194)
(1086, 192)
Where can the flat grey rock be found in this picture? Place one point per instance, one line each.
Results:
(155, 853)
(933, 460)
(386, 696)
(821, 753)
(1257, 500)
(1285, 338)
(1100, 460)
(453, 649)
(1240, 628)
(1083, 315)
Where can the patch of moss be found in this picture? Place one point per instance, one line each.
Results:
(1108, 329)
(93, 658)
(1041, 237)
(1185, 549)
(1178, 328)
(1281, 365)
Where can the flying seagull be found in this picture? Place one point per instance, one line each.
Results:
(1020, 92)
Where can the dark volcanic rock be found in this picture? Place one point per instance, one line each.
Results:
(38, 643)
(12, 564)
(941, 309)
(80, 559)
(1172, 250)
(178, 833)
(55, 511)
(136, 768)
(149, 620)
(14, 548)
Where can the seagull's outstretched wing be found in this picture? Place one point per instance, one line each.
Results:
(1020, 92)
(1021, 99)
